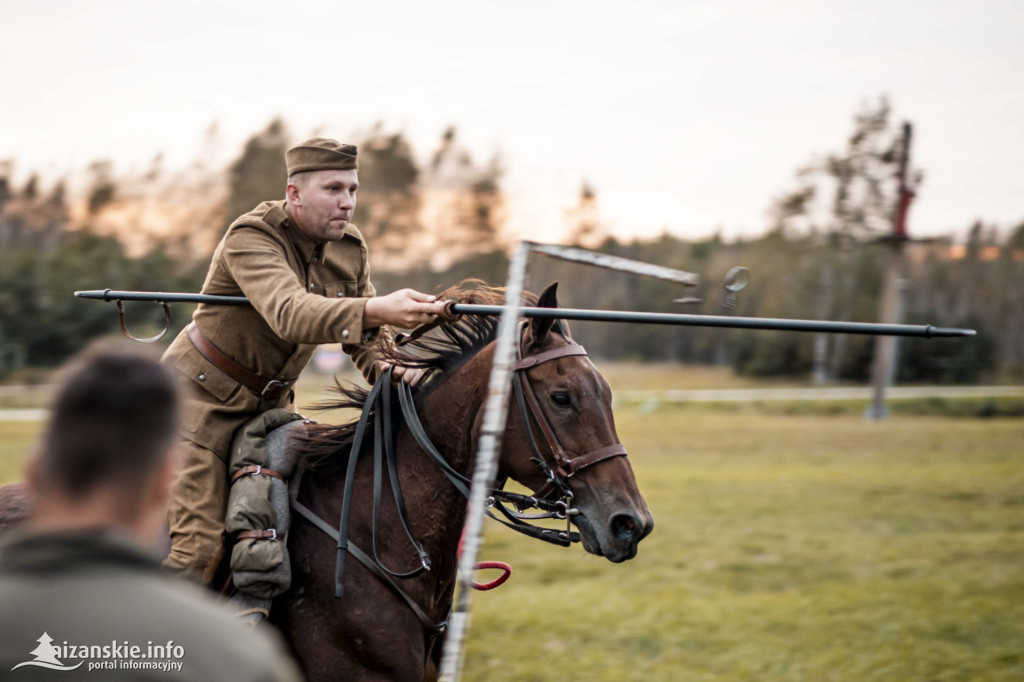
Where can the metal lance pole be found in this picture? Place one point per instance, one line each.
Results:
(883, 369)
(773, 323)
(920, 330)
(161, 297)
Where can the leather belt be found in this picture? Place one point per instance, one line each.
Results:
(267, 389)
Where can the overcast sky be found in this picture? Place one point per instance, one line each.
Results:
(686, 116)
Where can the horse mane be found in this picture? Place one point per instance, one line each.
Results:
(438, 352)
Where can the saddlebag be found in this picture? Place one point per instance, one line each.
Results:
(258, 512)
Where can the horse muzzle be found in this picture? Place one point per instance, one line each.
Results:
(617, 539)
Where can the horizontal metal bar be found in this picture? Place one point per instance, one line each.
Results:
(926, 331)
(603, 260)
(161, 296)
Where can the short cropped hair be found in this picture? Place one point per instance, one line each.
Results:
(300, 180)
(114, 420)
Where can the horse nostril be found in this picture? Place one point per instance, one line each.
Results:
(648, 525)
(624, 527)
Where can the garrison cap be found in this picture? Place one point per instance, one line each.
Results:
(320, 153)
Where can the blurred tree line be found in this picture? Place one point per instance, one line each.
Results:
(822, 258)
(981, 288)
(154, 231)
(434, 222)
(43, 260)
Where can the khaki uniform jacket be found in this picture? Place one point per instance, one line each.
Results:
(302, 293)
(96, 588)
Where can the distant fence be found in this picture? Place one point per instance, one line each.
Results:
(841, 393)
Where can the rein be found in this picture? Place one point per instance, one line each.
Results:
(553, 499)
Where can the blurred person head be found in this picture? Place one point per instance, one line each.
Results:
(107, 457)
(322, 183)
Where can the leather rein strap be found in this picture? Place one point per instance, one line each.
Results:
(365, 560)
(377, 404)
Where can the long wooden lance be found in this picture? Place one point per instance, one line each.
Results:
(686, 320)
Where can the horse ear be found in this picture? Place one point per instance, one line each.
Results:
(549, 299)
(540, 326)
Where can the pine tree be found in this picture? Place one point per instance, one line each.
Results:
(101, 186)
(388, 212)
(584, 221)
(260, 173)
(469, 205)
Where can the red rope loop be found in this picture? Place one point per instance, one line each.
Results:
(500, 580)
(499, 565)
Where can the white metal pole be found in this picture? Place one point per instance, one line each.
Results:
(495, 413)
(603, 260)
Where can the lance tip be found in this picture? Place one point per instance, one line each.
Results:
(941, 331)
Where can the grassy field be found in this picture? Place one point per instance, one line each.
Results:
(16, 441)
(786, 547)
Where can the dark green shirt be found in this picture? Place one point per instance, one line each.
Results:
(87, 598)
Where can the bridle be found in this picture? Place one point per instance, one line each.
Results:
(566, 465)
(553, 499)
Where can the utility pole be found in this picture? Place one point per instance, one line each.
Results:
(891, 307)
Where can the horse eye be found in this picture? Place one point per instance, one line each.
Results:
(561, 398)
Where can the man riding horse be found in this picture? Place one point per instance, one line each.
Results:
(304, 267)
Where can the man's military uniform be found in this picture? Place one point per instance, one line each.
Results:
(95, 588)
(242, 360)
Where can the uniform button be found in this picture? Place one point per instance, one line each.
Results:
(344, 333)
(312, 286)
(341, 294)
(202, 377)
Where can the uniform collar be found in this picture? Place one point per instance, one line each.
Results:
(39, 552)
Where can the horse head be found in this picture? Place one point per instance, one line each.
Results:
(567, 424)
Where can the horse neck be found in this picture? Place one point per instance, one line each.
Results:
(450, 415)
(451, 412)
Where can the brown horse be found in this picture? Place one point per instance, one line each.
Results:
(561, 441)
(371, 632)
